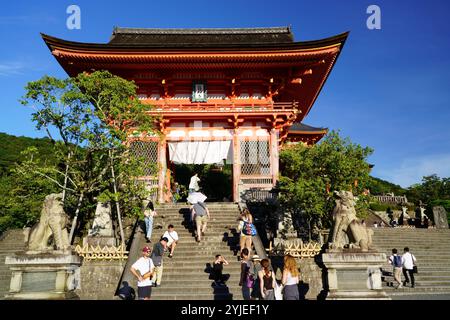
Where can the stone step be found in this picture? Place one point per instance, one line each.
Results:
(211, 228)
(203, 296)
(179, 222)
(412, 242)
(187, 209)
(188, 263)
(432, 283)
(209, 204)
(201, 267)
(187, 216)
(186, 242)
(198, 282)
(416, 291)
(191, 290)
(203, 276)
(207, 239)
(196, 252)
(430, 264)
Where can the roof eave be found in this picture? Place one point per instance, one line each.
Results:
(53, 42)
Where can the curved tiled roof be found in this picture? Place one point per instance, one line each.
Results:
(201, 36)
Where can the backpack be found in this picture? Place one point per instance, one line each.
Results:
(249, 229)
(397, 261)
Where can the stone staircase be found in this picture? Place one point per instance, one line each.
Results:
(186, 276)
(10, 242)
(431, 247)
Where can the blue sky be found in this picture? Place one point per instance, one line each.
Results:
(389, 89)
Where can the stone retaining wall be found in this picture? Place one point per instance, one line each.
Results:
(99, 279)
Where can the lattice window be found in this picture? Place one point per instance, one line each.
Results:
(255, 158)
(147, 151)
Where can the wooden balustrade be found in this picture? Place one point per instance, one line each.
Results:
(297, 250)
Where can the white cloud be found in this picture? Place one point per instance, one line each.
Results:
(412, 170)
(11, 68)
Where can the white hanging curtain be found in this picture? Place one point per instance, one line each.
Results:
(200, 152)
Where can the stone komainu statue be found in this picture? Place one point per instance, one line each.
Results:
(347, 224)
(52, 222)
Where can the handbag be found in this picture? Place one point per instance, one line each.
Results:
(278, 291)
(414, 270)
(249, 281)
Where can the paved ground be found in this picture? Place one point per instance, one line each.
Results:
(423, 297)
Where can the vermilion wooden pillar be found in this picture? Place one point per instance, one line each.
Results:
(162, 166)
(236, 166)
(274, 155)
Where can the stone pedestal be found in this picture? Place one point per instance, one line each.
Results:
(99, 241)
(99, 279)
(353, 274)
(44, 275)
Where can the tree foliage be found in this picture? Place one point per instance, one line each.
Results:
(379, 186)
(432, 188)
(309, 175)
(93, 114)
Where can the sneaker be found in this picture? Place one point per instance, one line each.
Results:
(412, 286)
(400, 286)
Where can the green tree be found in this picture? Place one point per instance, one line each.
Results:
(309, 175)
(93, 114)
(22, 194)
(379, 186)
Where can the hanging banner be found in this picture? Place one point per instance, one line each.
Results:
(200, 152)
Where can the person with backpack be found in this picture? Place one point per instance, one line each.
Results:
(397, 262)
(247, 230)
(201, 213)
(409, 260)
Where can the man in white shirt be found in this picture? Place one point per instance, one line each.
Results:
(172, 236)
(193, 184)
(143, 269)
(409, 260)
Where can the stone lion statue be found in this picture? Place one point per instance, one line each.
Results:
(102, 225)
(347, 229)
(52, 222)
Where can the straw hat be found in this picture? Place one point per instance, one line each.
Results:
(256, 257)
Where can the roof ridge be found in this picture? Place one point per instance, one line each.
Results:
(257, 30)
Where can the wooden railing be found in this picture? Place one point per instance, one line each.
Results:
(297, 250)
(224, 107)
(259, 195)
(89, 252)
(392, 199)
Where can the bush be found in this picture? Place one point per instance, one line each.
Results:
(376, 206)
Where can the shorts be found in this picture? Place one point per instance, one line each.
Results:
(144, 292)
(201, 219)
